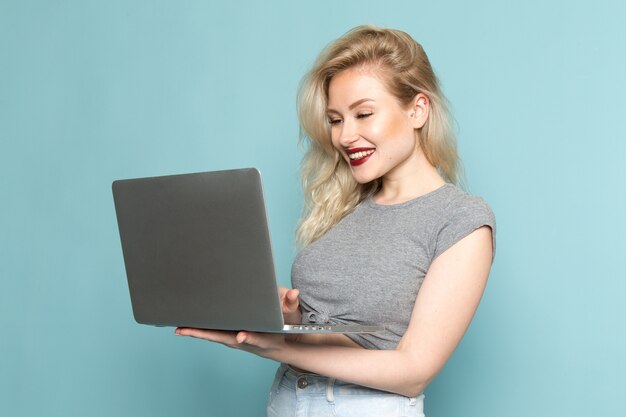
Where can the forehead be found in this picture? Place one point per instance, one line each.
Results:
(354, 84)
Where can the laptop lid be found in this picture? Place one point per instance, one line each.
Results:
(197, 250)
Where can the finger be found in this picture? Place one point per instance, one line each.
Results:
(219, 336)
(292, 295)
(241, 337)
(291, 298)
(251, 341)
(291, 302)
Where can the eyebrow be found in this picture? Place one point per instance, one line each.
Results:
(352, 106)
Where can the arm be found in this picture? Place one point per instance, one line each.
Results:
(443, 310)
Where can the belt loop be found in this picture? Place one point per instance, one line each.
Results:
(282, 369)
(330, 386)
(280, 373)
(412, 401)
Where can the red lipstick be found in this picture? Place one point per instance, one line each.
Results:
(358, 161)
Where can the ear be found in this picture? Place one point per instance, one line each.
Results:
(419, 110)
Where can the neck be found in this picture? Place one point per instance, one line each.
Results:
(415, 180)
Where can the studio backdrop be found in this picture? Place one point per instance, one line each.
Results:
(93, 91)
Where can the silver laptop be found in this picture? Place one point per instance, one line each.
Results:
(197, 253)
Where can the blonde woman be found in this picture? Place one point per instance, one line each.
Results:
(387, 237)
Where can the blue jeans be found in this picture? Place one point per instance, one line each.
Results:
(295, 394)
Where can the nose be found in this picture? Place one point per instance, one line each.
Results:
(347, 134)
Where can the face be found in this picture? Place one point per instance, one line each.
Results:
(374, 133)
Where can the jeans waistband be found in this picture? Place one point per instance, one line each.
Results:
(317, 385)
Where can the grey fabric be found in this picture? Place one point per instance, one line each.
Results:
(369, 268)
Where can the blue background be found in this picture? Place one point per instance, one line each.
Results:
(95, 91)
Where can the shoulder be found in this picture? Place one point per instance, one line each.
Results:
(461, 213)
(462, 205)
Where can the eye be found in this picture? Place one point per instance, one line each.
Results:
(332, 121)
(363, 115)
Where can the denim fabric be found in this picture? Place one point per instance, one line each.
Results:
(295, 394)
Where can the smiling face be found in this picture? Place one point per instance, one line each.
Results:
(374, 133)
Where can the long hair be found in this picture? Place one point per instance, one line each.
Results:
(330, 191)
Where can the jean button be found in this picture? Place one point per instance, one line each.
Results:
(302, 383)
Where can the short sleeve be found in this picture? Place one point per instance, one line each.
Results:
(462, 217)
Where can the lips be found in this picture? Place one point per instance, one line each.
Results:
(359, 156)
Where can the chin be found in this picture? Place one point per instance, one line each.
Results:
(363, 178)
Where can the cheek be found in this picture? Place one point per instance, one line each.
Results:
(334, 140)
(393, 123)
(394, 132)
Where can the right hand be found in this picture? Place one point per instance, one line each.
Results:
(290, 305)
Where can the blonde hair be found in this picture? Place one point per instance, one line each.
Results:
(330, 191)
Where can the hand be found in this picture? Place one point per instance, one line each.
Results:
(267, 345)
(290, 305)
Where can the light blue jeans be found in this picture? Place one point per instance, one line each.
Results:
(295, 394)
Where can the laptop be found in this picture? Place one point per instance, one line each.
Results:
(197, 253)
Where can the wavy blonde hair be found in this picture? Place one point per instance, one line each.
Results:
(330, 191)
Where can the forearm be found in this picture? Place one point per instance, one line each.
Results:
(388, 370)
(333, 339)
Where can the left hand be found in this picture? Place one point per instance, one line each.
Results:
(267, 345)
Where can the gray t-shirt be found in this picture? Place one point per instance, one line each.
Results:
(369, 267)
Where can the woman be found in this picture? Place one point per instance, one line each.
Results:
(387, 237)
